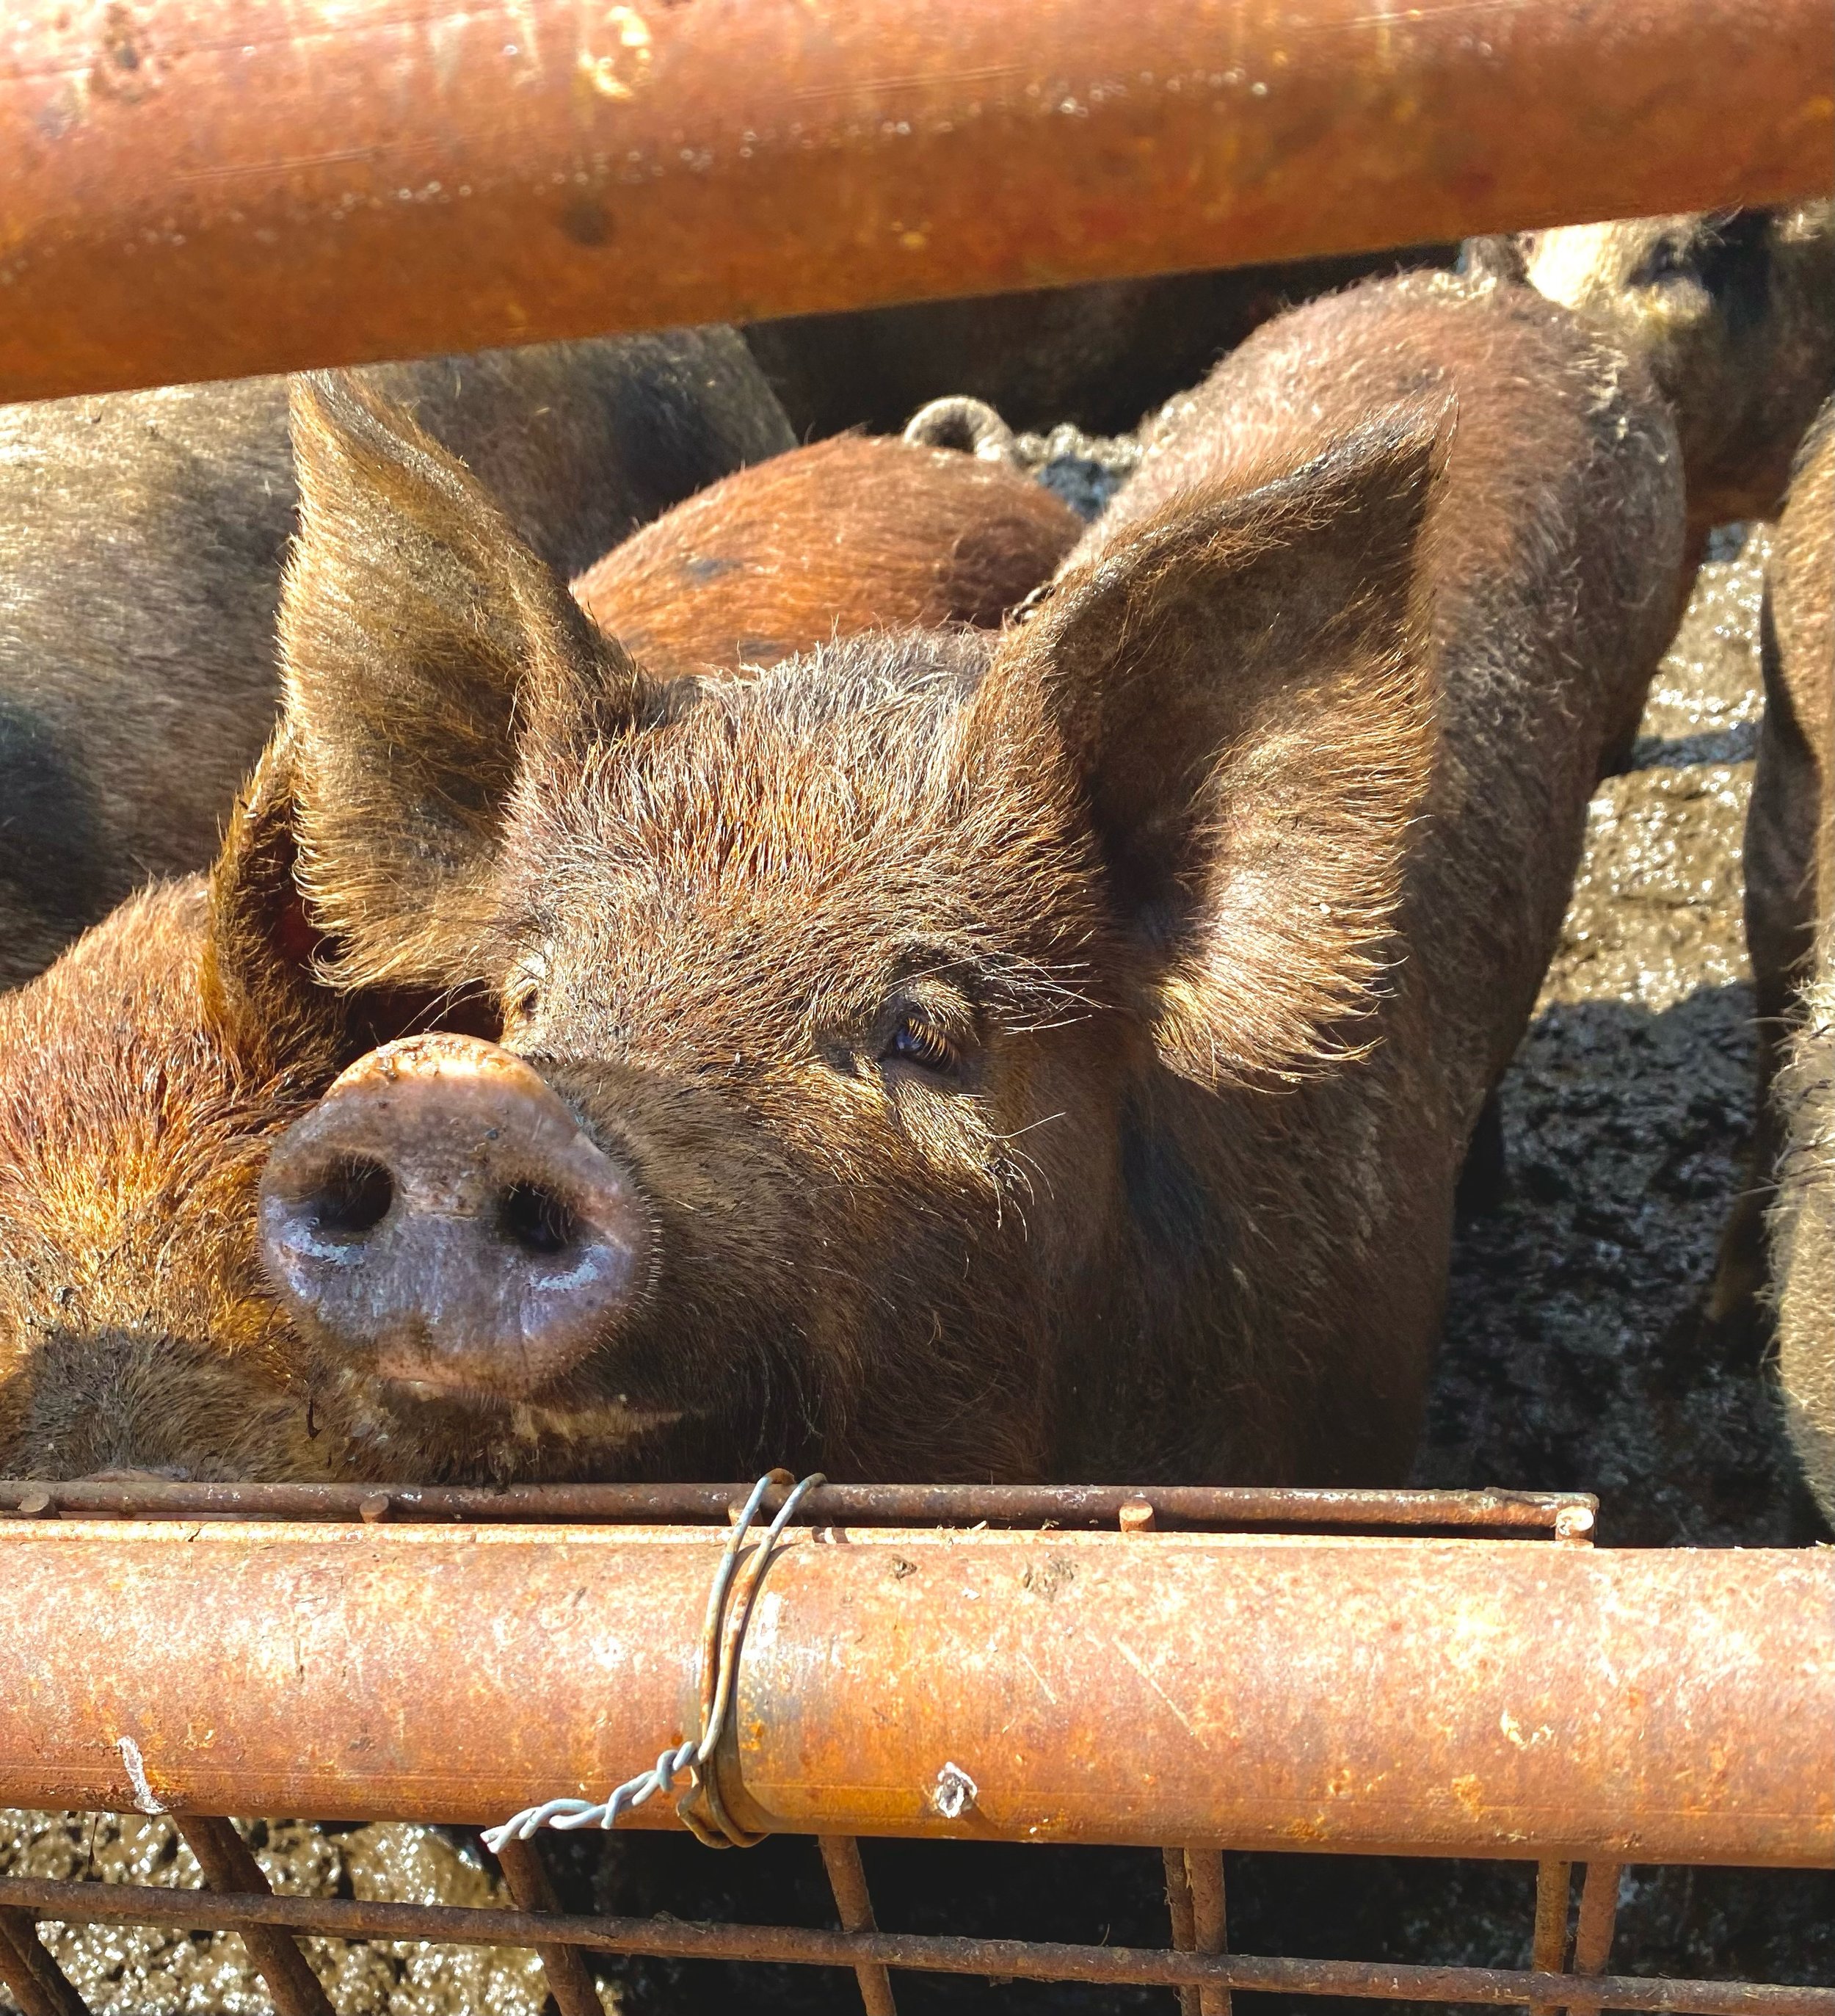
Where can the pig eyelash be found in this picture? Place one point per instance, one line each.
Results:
(916, 1041)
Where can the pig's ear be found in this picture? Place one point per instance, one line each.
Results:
(259, 976)
(418, 634)
(1242, 683)
(265, 958)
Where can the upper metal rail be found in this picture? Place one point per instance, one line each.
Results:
(1566, 1513)
(212, 187)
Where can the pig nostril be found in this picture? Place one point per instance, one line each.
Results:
(353, 1199)
(537, 1220)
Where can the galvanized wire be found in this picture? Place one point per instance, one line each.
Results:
(722, 1638)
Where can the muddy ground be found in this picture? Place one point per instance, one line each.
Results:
(1576, 1354)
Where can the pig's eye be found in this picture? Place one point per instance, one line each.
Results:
(916, 1040)
(1667, 260)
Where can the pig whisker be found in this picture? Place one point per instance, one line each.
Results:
(1031, 1127)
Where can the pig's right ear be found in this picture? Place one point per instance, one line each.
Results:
(418, 634)
(265, 958)
(259, 977)
(1241, 684)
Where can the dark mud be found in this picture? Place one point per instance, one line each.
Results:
(1577, 1354)
(142, 1971)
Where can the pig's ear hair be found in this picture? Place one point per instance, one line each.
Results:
(259, 969)
(418, 636)
(262, 974)
(1242, 683)
(1504, 256)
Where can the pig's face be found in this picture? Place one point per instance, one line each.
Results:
(1733, 314)
(857, 980)
(824, 969)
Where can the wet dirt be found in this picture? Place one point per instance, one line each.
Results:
(145, 1971)
(1577, 1354)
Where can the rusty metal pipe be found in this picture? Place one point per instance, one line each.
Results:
(569, 1980)
(1593, 1930)
(1026, 1959)
(1478, 1698)
(1554, 1881)
(228, 1863)
(209, 188)
(30, 1976)
(1569, 1513)
(840, 1857)
(1204, 1877)
(1178, 1909)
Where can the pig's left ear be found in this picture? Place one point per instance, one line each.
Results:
(1243, 684)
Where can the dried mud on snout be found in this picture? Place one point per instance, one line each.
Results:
(1576, 1354)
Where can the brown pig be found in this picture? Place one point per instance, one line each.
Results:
(142, 1076)
(1790, 929)
(142, 536)
(953, 1055)
(1733, 313)
(885, 534)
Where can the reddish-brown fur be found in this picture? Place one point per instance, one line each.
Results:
(134, 1328)
(1221, 890)
(141, 1077)
(1221, 887)
(888, 535)
(1789, 907)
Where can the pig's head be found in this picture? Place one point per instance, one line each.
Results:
(1734, 312)
(137, 1330)
(837, 1003)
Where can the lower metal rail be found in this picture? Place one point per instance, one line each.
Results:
(1577, 1705)
(1117, 1967)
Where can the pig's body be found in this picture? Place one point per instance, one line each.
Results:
(1046, 1056)
(1790, 929)
(881, 534)
(141, 537)
(1551, 551)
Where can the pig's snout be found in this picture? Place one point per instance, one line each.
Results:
(440, 1219)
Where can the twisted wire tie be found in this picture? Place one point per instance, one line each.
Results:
(723, 1636)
